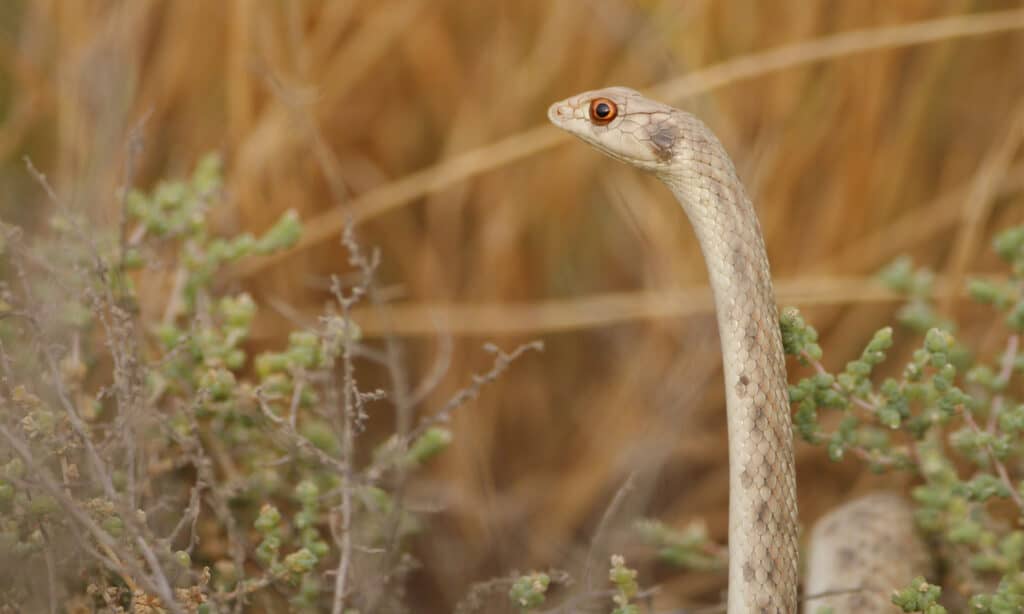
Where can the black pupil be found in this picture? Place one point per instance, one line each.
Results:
(602, 110)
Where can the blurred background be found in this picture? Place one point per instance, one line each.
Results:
(424, 121)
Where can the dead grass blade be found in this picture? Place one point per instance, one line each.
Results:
(380, 200)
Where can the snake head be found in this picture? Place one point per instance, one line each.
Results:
(623, 124)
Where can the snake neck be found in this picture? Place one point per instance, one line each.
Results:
(763, 530)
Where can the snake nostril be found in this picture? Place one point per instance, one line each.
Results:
(559, 111)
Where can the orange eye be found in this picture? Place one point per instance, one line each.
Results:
(602, 111)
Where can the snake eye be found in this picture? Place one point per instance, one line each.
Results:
(602, 111)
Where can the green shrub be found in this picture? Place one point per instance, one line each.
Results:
(150, 463)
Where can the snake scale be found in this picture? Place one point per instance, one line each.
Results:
(684, 154)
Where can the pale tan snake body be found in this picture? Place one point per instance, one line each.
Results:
(763, 527)
(868, 544)
(686, 156)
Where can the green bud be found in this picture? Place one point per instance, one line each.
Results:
(308, 396)
(1015, 318)
(898, 274)
(132, 259)
(982, 375)
(983, 563)
(271, 362)
(220, 384)
(113, 525)
(831, 398)
(918, 315)
(304, 519)
(624, 579)
(836, 449)
(989, 293)
(277, 385)
(937, 340)
(1001, 446)
(806, 420)
(798, 337)
(964, 532)
(207, 175)
(303, 338)
(881, 341)
(268, 548)
(824, 380)
(985, 486)
(431, 443)
(303, 356)
(341, 330)
(268, 520)
(1012, 546)
(848, 382)
(890, 388)
(528, 591)
(320, 549)
(183, 559)
(225, 571)
(170, 195)
(238, 311)
(919, 596)
(14, 469)
(41, 505)
(889, 417)
(1011, 420)
(301, 561)
(1008, 243)
(284, 234)
(307, 493)
(242, 245)
(320, 434)
(858, 368)
(234, 359)
(137, 204)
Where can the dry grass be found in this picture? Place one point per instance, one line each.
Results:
(424, 121)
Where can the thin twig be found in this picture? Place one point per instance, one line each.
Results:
(502, 360)
(299, 441)
(157, 585)
(51, 571)
(438, 369)
(100, 472)
(1005, 372)
(602, 527)
(189, 518)
(351, 410)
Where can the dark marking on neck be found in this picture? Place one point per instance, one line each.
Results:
(663, 140)
(741, 385)
(762, 513)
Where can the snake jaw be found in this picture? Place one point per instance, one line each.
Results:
(643, 133)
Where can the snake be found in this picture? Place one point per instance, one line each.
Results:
(763, 534)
